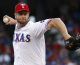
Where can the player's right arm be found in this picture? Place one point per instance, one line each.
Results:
(11, 20)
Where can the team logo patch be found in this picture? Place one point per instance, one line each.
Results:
(42, 21)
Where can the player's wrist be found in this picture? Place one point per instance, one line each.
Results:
(66, 36)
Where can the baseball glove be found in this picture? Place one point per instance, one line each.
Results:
(73, 43)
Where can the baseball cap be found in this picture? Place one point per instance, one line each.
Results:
(21, 7)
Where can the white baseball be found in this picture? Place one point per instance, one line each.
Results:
(5, 20)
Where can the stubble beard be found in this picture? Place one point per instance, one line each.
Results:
(20, 22)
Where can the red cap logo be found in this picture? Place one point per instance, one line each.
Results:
(21, 7)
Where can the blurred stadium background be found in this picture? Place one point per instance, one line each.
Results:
(56, 54)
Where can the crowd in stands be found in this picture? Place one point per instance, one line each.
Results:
(6, 48)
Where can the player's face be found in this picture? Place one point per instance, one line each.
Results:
(22, 16)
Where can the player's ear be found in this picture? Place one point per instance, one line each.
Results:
(28, 13)
(15, 14)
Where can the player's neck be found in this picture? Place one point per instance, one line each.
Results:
(21, 25)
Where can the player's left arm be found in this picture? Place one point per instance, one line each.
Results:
(71, 43)
(58, 23)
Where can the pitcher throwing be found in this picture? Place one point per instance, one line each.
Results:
(28, 40)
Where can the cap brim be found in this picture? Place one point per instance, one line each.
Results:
(22, 10)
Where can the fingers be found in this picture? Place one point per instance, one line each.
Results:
(11, 20)
(6, 16)
(7, 23)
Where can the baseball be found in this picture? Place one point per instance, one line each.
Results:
(5, 20)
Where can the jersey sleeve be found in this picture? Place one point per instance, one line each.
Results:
(41, 27)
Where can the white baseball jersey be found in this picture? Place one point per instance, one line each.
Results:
(29, 43)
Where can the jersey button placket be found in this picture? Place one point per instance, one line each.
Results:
(18, 57)
(17, 49)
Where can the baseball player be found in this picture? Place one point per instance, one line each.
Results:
(28, 38)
